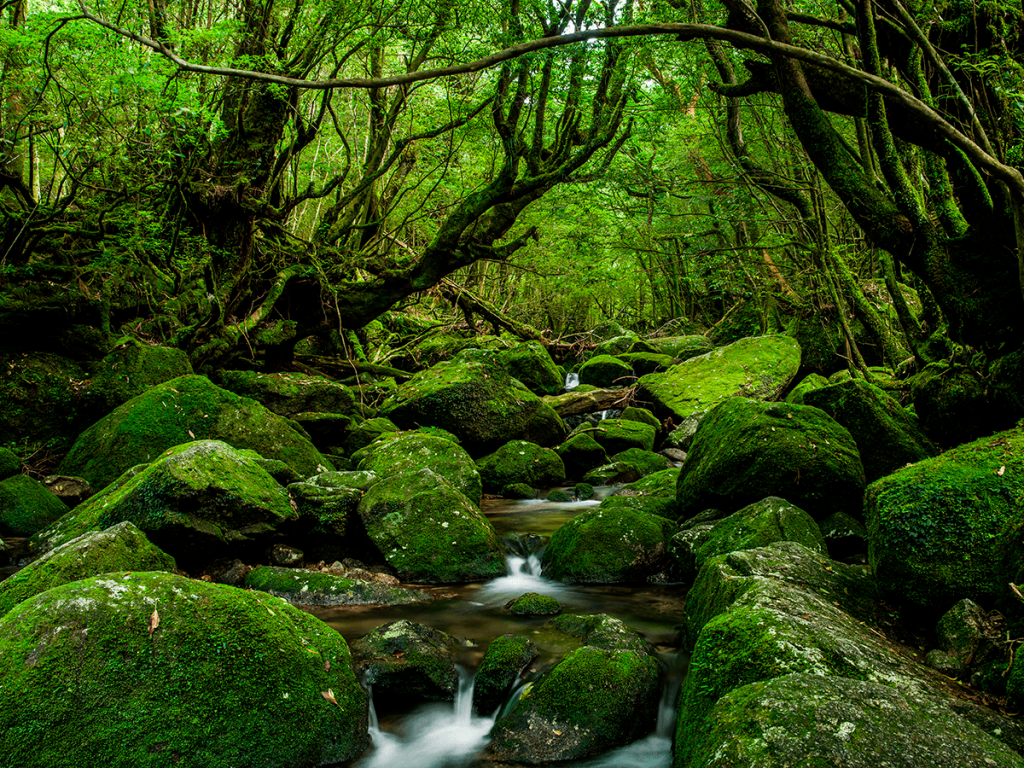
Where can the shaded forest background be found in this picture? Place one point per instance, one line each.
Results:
(280, 183)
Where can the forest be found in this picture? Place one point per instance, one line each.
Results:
(633, 300)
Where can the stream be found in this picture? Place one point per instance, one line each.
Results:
(450, 735)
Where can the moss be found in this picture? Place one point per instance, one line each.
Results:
(949, 527)
(952, 404)
(887, 437)
(533, 604)
(504, 659)
(297, 585)
(122, 547)
(612, 474)
(518, 461)
(559, 496)
(26, 506)
(641, 363)
(474, 398)
(40, 398)
(10, 464)
(661, 483)
(647, 462)
(581, 453)
(644, 416)
(396, 452)
(606, 371)
(324, 512)
(518, 491)
(429, 532)
(682, 347)
(179, 411)
(583, 491)
(366, 432)
(808, 383)
(225, 678)
(191, 501)
(608, 545)
(132, 368)
(531, 364)
(759, 368)
(616, 345)
(616, 435)
(744, 450)
(289, 394)
(404, 661)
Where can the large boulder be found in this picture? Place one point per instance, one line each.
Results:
(745, 450)
(289, 394)
(476, 399)
(759, 368)
(302, 587)
(617, 435)
(178, 411)
(430, 532)
(531, 364)
(681, 347)
(806, 719)
(10, 464)
(122, 547)
(396, 452)
(887, 437)
(27, 506)
(756, 525)
(609, 544)
(518, 461)
(606, 371)
(600, 696)
(949, 527)
(504, 660)
(404, 662)
(125, 670)
(129, 370)
(193, 501)
(952, 403)
(581, 453)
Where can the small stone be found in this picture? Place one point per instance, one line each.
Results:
(282, 554)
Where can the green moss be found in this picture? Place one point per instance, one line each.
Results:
(122, 547)
(759, 368)
(744, 450)
(641, 363)
(533, 604)
(608, 545)
(297, 585)
(647, 462)
(616, 345)
(132, 368)
(682, 347)
(581, 453)
(395, 452)
(612, 474)
(949, 527)
(518, 491)
(289, 394)
(559, 496)
(190, 502)
(606, 371)
(644, 416)
(226, 678)
(518, 461)
(430, 532)
(404, 661)
(10, 464)
(616, 435)
(808, 383)
(26, 506)
(39, 398)
(583, 491)
(366, 432)
(531, 364)
(179, 411)
(504, 659)
(661, 483)
(952, 404)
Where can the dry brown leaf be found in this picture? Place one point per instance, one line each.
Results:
(1001, 470)
(329, 695)
(154, 622)
(190, 434)
(327, 666)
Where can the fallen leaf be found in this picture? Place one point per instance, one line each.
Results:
(191, 435)
(329, 695)
(1001, 470)
(154, 622)
(327, 666)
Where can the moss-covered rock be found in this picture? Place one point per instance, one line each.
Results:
(606, 371)
(950, 527)
(759, 368)
(26, 506)
(326, 430)
(10, 464)
(648, 462)
(403, 661)
(583, 491)
(126, 670)
(560, 496)
(396, 452)
(644, 416)
(193, 501)
(617, 435)
(682, 347)
(805, 719)
(844, 535)
(365, 432)
(952, 404)
(302, 587)
(474, 398)
(122, 547)
(533, 604)
(756, 525)
(613, 474)
(808, 383)
(887, 437)
(581, 453)
(641, 363)
(176, 412)
(744, 450)
(504, 660)
(289, 394)
(518, 491)
(430, 532)
(518, 461)
(325, 514)
(599, 696)
(531, 364)
(129, 370)
(40, 398)
(608, 544)
(70, 490)
(616, 345)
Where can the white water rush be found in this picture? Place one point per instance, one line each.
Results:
(433, 736)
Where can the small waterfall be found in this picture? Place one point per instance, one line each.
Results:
(433, 736)
(572, 380)
(522, 575)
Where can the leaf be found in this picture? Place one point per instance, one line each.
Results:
(329, 695)
(191, 435)
(1001, 470)
(154, 622)
(327, 666)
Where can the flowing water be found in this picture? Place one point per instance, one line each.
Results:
(450, 735)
